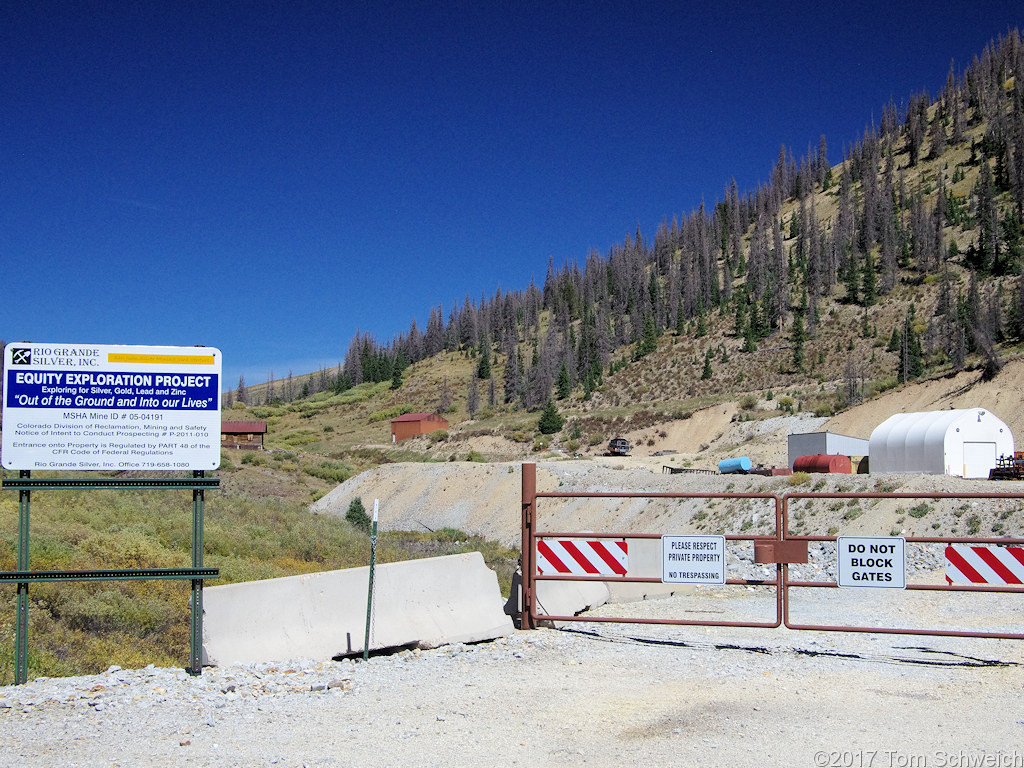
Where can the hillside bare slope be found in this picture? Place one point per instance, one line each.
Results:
(485, 498)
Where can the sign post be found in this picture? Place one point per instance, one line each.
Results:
(109, 407)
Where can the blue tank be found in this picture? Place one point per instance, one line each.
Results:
(732, 466)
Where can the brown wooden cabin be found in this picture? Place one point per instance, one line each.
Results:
(243, 434)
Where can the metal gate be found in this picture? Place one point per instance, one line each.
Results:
(781, 549)
(1013, 584)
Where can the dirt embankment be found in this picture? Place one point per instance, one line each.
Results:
(485, 499)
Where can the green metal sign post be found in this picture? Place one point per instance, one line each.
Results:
(25, 484)
(369, 593)
(21, 632)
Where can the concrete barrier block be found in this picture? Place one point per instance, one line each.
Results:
(634, 593)
(417, 603)
(567, 598)
(557, 598)
(645, 561)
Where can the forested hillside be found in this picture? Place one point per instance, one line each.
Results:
(902, 259)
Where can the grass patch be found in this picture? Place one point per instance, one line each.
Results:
(390, 413)
(300, 437)
(331, 471)
(84, 627)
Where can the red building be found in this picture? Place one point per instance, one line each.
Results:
(412, 424)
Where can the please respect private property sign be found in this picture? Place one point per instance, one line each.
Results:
(102, 406)
(693, 559)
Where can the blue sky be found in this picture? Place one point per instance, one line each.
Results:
(270, 177)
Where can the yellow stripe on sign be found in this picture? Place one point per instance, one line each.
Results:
(128, 357)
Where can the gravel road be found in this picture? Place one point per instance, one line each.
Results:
(589, 694)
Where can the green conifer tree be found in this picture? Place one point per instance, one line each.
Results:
(648, 341)
(798, 337)
(483, 368)
(707, 372)
(868, 282)
(551, 420)
(911, 364)
(562, 389)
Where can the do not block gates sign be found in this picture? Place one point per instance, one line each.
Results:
(873, 561)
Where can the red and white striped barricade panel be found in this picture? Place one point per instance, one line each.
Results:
(582, 558)
(966, 564)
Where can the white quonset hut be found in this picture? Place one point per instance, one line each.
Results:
(963, 442)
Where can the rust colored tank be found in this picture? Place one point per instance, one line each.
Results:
(824, 462)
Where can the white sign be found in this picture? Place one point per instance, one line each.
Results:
(693, 559)
(96, 406)
(877, 561)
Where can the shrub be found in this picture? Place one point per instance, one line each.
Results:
(919, 511)
(878, 386)
(798, 478)
(823, 407)
(748, 402)
(356, 515)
